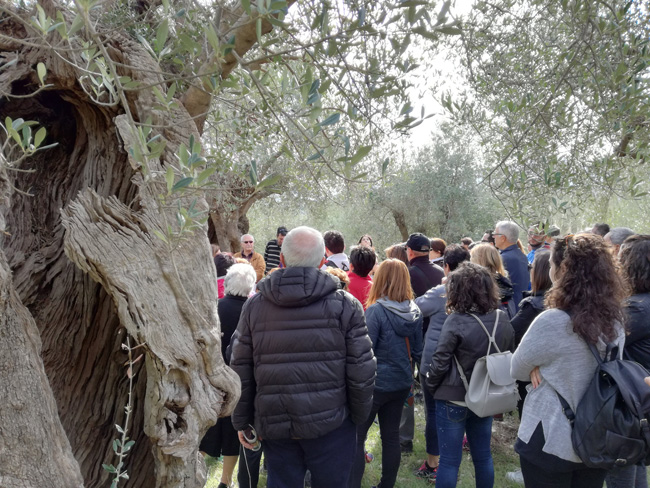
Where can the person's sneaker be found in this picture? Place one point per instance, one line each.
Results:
(515, 476)
(369, 457)
(222, 485)
(406, 447)
(426, 472)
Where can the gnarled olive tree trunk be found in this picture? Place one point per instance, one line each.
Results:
(117, 277)
(34, 450)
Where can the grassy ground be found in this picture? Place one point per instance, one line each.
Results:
(503, 436)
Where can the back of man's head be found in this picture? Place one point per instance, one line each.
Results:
(419, 244)
(601, 229)
(334, 241)
(509, 229)
(362, 259)
(303, 247)
(454, 255)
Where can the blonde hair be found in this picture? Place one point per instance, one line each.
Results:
(341, 275)
(391, 281)
(488, 256)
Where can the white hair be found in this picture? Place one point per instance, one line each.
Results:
(240, 280)
(509, 229)
(241, 239)
(303, 247)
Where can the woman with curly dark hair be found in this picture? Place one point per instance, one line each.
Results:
(634, 259)
(584, 307)
(472, 300)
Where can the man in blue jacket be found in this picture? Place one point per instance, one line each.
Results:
(506, 234)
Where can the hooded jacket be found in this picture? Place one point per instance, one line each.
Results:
(304, 357)
(389, 324)
(339, 261)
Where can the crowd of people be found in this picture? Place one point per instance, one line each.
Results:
(326, 344)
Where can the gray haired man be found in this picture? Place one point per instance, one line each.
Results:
(307, 368)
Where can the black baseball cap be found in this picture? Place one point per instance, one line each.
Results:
(418, 242)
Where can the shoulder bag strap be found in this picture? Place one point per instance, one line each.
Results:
(408, 349)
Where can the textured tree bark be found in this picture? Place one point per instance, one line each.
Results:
(119, 278)
(34, 449)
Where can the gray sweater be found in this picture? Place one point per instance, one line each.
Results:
(566, 365)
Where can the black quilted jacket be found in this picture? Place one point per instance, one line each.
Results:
(304, 357)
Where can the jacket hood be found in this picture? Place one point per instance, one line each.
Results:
(341, 261)
(297, 287)
(405, 316)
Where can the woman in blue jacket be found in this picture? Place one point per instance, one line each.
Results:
(395, 328)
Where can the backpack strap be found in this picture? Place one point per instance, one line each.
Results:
(568, 412)
(462, 374)
(491, 338)
(491, 341)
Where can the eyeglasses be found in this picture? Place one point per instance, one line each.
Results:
(494, 234)
(249, 242)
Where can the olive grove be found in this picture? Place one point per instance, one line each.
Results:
(558, 93)
(129, 130)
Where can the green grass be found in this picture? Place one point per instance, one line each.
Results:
(505, 459)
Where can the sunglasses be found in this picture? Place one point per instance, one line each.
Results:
(249, 242)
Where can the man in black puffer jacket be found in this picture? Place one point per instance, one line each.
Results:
(307, 368)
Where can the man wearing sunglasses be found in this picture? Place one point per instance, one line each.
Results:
(248, 253)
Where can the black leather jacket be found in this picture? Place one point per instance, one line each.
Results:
(464, 337)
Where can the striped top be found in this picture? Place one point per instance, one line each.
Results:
(272, 255)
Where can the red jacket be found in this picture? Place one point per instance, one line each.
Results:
(359, 287)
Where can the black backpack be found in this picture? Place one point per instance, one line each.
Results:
(610, 424)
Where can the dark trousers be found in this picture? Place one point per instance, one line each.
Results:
(430, 431)
(248, 474)
(329, 459)
(538, 477)
(387, 406)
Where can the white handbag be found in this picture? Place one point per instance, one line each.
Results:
(491, 389)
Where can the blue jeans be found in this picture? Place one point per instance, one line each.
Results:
(452, 421)
(628, 477)
(430, 431)
(329, 459)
